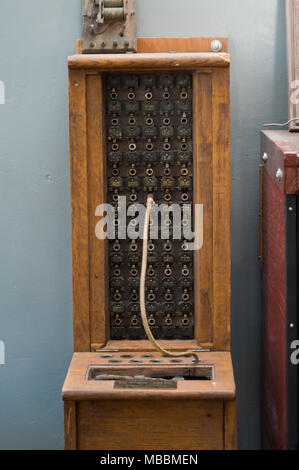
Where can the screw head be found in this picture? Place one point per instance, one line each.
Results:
(292, 325)
(216, 45)
(265, 157)
(279, 174)
(291, 209)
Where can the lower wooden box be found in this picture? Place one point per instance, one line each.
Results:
(197, 413)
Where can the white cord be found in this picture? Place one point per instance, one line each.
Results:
(150, 202)
(282, 125)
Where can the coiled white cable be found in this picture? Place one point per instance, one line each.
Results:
(150, 202)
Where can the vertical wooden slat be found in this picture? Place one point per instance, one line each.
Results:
(221, 210)
(79, 46)
(79, 204)
(230, 428)
(274, 305)
(203, 194)
(70, 425)
(97, 195)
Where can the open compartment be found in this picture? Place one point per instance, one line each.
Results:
(153, 377)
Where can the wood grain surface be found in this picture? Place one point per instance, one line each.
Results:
(98, 263)
(199, 414)
(145, 62)
(282, 150)
(221, 210)
(211, 188)
(76, 386)
(147, 425)
(79, 206)
(156, 45)
(70, 425)
(203, 194)
(230, 428)
(274, 317)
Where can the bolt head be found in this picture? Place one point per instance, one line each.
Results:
(265, 157)
(292, 325)
(216, 45)
(279, 174)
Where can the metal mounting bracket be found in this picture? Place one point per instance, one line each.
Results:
(109, 26)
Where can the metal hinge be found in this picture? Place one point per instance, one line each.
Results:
(109, 26)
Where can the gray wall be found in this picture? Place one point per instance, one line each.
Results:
(35, 275)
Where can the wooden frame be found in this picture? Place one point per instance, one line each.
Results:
(158, 45)
(206, 410)
(95, 410)
(212, 188)
(200, 434)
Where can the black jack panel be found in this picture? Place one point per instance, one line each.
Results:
(149, 133)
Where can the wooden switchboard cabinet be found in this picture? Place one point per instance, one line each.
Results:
(139, 123)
